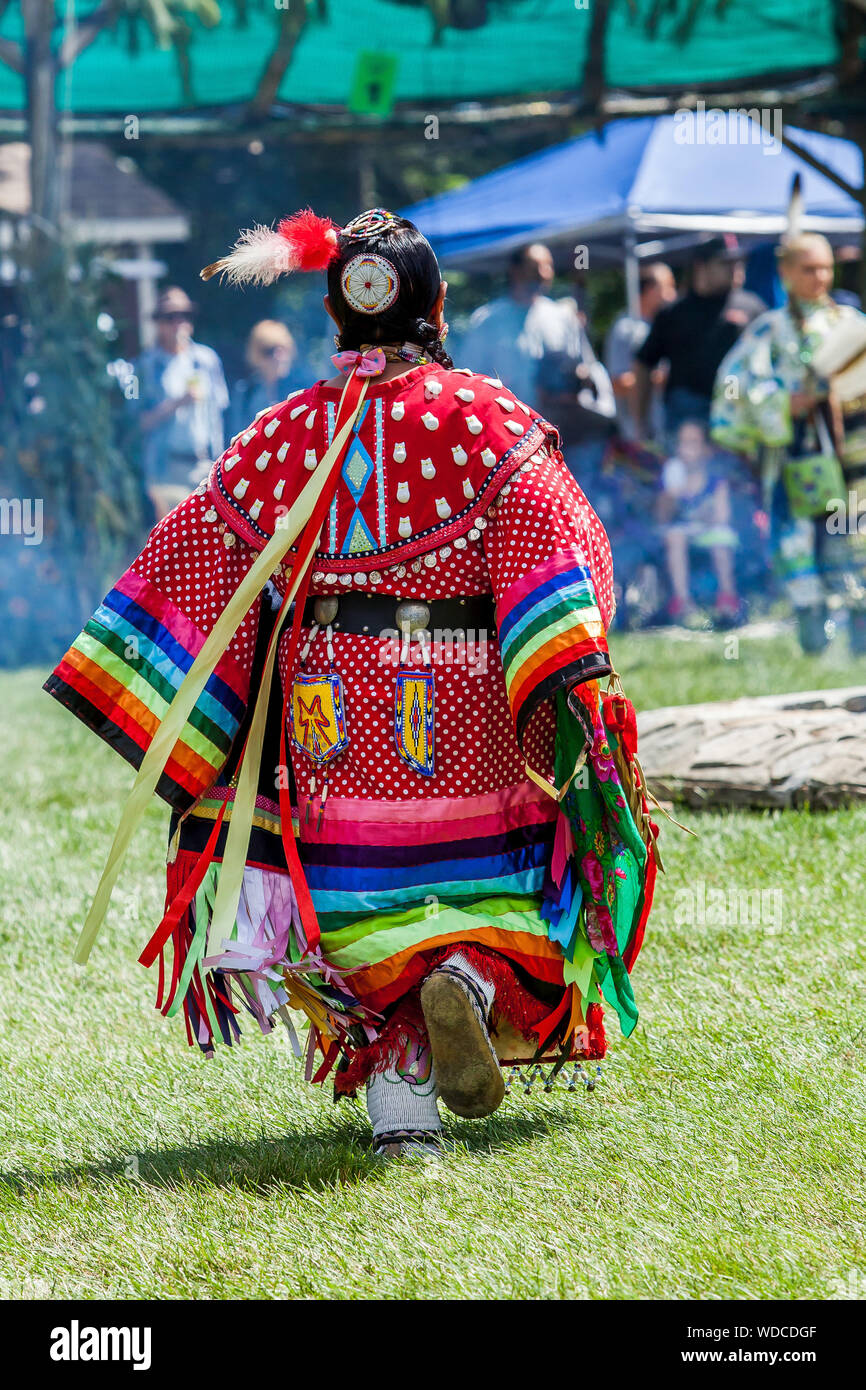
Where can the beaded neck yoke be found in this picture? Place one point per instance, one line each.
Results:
(429, 454)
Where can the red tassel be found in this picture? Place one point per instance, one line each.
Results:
(595, 1024)
(329, 1060)
(563, 849)
(313, 239)
(548, 1026)
(404, 1030)
(184, 897)
(161, 984)
(306, 909)
(620, 718)
(197, 987)
(177, 943)
(630, 954)
(587, 693)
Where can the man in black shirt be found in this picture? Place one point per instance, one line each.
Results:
(693, 335)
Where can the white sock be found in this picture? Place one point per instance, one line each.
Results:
(395, 1103)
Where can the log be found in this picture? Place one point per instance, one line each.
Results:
(803, 749)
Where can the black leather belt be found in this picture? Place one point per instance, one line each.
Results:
(360, 611)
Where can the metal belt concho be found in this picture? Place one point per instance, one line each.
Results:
(362, 611)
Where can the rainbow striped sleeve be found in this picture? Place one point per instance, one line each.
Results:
(121, 674)
(550, 632)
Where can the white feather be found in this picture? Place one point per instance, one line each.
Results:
(258, 257)
(796, 209)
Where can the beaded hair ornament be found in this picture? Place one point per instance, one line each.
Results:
(307, 242)
(369, 281)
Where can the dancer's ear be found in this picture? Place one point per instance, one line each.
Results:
(436, 315)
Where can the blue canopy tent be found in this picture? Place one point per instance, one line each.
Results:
(644, 186)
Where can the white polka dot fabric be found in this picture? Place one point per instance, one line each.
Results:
(188, 560)
(545, 511)
(197, 562)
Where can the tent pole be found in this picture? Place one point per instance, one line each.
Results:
(146, 296)
(632, 276)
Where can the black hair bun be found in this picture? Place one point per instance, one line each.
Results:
(426, 333)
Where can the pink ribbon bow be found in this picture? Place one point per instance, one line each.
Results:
(370, 363)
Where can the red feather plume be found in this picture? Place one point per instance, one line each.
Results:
(312, 239)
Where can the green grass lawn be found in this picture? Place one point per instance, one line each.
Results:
(721, 1157)
(684, 668)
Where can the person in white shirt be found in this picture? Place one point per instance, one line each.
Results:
(540, 349)
(182, 399)
(509, 336)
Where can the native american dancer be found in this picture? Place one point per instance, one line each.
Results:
(773, 406)
(430, 833)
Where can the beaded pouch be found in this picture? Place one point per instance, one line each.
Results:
(318, 718)
(413, 720)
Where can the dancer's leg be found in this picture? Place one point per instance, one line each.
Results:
(401, 1103)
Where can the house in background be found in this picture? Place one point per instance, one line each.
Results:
(107, 204)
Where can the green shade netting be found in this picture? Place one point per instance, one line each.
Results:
(527, 46)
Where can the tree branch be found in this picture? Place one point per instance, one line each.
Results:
(83, 35)
(594, 75)
(12, 54)
(858, 194)
(292, 23)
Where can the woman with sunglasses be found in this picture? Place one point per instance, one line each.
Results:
(272, 359)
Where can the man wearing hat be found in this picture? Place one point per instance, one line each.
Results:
(182, 397)
(693, 335)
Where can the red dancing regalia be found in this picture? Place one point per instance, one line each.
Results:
(445, 758)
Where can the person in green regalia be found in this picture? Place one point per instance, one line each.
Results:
(773, 405)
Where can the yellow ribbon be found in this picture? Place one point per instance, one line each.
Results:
(237, 841)
(287, 530)
(540, 781)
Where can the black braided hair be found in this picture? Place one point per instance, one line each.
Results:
(428, 337)
(405, 320)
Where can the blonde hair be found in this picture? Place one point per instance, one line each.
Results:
(269, 333)
(791, 249)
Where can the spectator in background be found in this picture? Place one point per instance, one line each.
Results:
(626, 335)
(574, 389)
(792, 426)
(182, 399)
(694, 334)
(694, 510)
(272, 357)
(540, 348)
(509, 336)
(847, 289)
